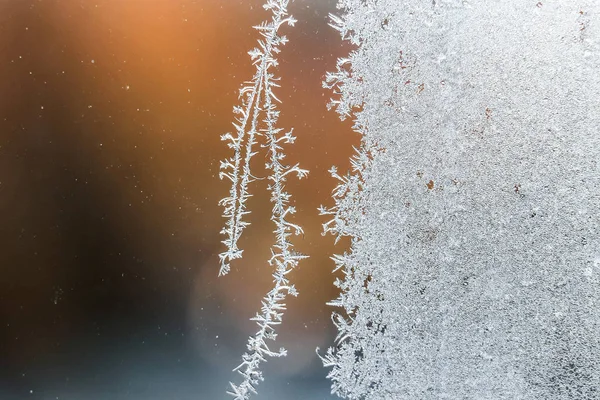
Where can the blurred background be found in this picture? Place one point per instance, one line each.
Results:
(110, 116)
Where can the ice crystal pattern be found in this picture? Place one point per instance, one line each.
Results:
(473, 203)
(256, 120)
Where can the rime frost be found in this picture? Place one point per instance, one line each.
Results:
(257, 117)
(473, 205)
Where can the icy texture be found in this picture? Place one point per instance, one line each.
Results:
(474, 201)
(255, 118)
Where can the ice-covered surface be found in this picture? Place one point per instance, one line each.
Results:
(474, 207)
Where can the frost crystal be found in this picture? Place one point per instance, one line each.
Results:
(473, 205)
(257, 117)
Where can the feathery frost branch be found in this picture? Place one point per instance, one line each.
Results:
(257, 117)
(247, 119)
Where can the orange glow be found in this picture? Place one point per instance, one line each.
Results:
(127, 100)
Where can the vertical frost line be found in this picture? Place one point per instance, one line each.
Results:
(257, 117)
(246, 127)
